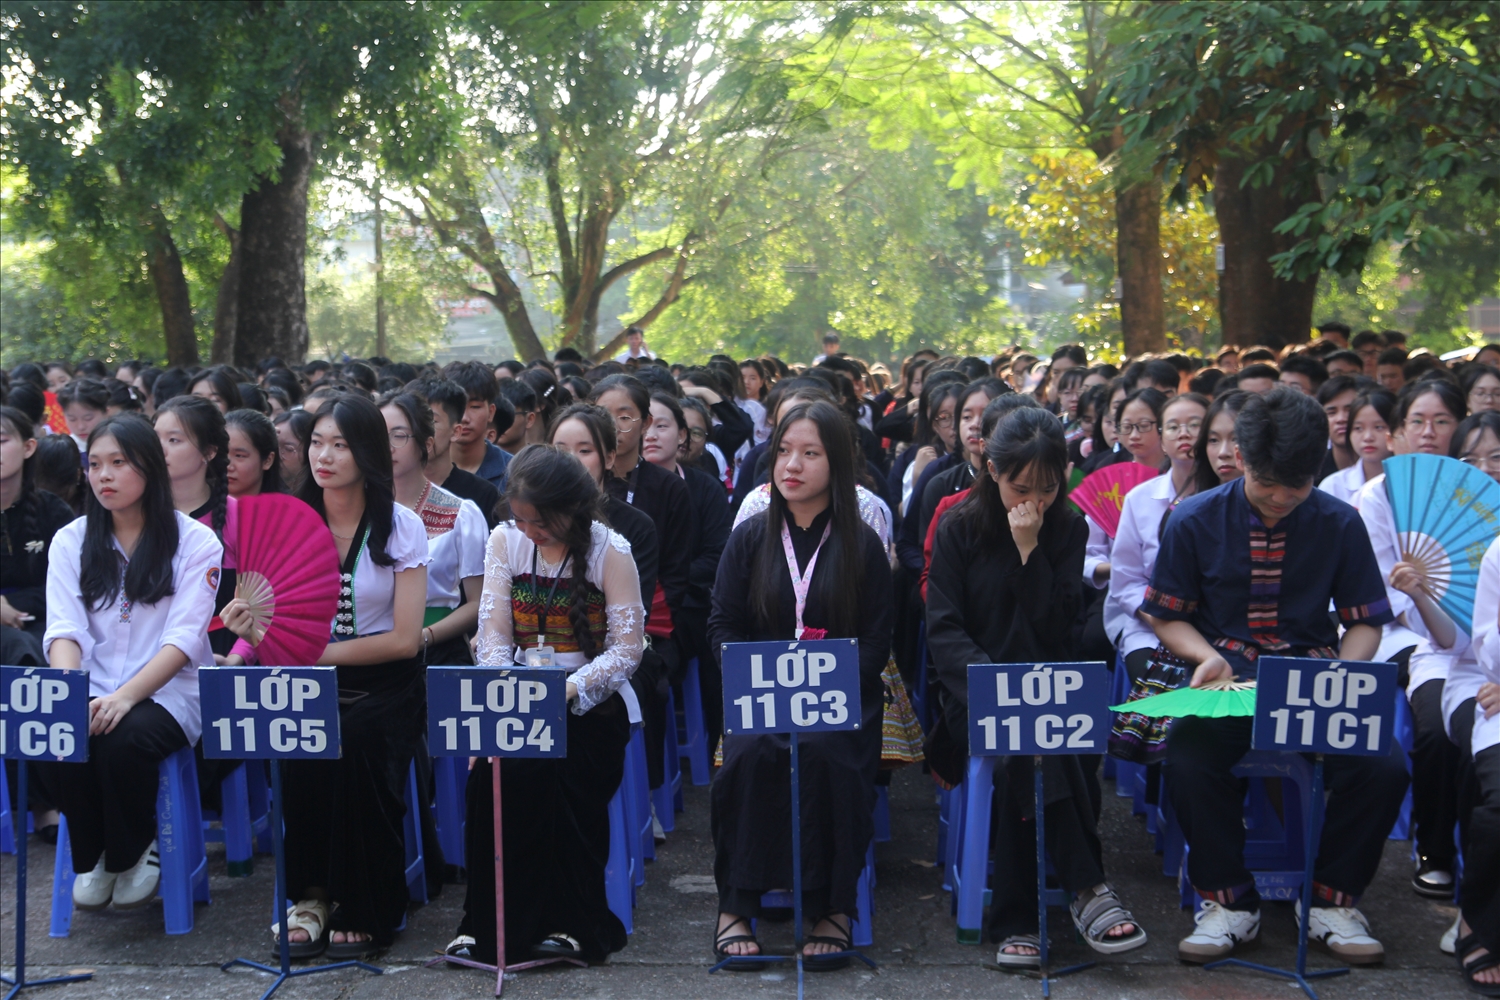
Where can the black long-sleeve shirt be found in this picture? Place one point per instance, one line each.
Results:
(26, 531)
(984, 606)
(733, 619)
(640, 531)
(734, 428)
(664, 498)
(711, 526)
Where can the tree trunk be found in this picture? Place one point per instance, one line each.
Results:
(1256, 307)
(507, 299)
(1138, 263)
(165, 267)
(227, 308)
(273, 254)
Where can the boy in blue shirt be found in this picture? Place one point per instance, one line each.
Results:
(1247, 569)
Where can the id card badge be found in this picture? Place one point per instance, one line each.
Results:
(539, 656)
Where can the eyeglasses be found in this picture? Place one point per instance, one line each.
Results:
(1489, 463)
(399, 438)
(1192, 427)
(1416, 424)
(1144, 427)
(624, 423)
(943, 421)
(697, 433)
(1485, 395)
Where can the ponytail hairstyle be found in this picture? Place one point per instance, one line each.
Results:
(1029, 437)
(201, 418)
(262, 434)
(569, 502)
(548, 396)
(148, 574)
(843, 554)
(418, 413)
(18, 424)
(363, 430)
(124, 397)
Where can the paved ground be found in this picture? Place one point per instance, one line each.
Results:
(669, 954)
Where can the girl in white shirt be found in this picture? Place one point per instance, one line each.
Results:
(1367, 435)
(345, 856)
(559, 587)
(130, 590)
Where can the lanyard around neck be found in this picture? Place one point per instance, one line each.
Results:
(547, 605)
(801, 584)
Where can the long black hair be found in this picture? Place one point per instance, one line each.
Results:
(363, 430)
(569, 502)
(597, 421)
(1484, 420)
(148, 574)
(262, 434)
(418, 413)
(1204, 476)
(1450, 395)
(225, 383)
(20, 425)
(1030, 437)
(202, 419)
(843, 556)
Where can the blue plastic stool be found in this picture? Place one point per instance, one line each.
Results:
(450, 777)
(179, 845)
(944, 797)
(411, 827)
(7, 839)
(692, 741)
(667, 799)
(1274, 848)
(861, 923)
(882, 815)
(1404, 735)
(245, 821)
(638, 805)
(1119, 690)
(619, 881)
(970, 866)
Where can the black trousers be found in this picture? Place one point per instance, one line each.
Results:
(1481, 885)
(1461, 723)
(110, 800)
(556, 839)
(1364, 797)
(1071, 812)
(1434, 777)
(344, 818)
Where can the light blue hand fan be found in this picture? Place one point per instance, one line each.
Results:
(1447, 514)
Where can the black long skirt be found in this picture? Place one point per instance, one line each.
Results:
(344, 817)
(752, 817)
(556, 840)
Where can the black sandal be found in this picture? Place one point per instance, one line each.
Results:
(830, 962)
(1473, 966)
(733, 962)
(558, 946)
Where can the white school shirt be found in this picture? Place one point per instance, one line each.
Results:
(1484, 665)
(375, 586)
(757, 411)
(1097, 551)
(1131, 560)
(1345, 483)
(118, 640)
(454, 555)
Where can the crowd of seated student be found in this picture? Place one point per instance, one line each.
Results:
(639, 515)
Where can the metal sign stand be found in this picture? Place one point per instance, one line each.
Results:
(1041, 884)
(500, 968)
(1299, 975)
(18, 819)
(286, 971)
(796, 895)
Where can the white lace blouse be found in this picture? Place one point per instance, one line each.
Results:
(610, 568)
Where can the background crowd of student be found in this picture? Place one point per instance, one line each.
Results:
(630, 517)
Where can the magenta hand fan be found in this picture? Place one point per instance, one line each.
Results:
(289, 575)
(1101, 494)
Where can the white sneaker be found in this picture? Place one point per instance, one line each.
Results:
(1345, 932)
(137, 887)
(1218, 932)
(1448, 943)
(91, 890)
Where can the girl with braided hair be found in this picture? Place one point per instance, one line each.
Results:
(560, 589)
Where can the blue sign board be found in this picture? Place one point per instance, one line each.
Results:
(485, 712)
(1038, 708)
(289, 713)
(810, 686)
(1324, 706)
(44, 714)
